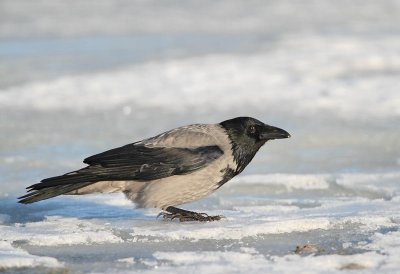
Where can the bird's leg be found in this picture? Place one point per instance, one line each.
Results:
(186, 215)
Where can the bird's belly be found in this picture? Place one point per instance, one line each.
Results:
(181, 189)
(100, 187)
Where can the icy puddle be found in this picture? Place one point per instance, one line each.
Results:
(324, 222)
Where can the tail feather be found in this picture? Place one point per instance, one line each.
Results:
(50, 192)
(82, 175)
(55, 186)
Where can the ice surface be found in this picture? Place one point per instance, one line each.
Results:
(255, 81)
(228, 16)
(326, 71)
(263, 225)
(256, 263)
(11, 257)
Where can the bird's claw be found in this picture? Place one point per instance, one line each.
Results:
(187, 217)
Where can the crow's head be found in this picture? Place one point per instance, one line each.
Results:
(247, 135)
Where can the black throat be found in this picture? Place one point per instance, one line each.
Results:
(243, 155)
(243, 148)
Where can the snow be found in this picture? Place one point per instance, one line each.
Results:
(57, 230)
(258, 86)
(256, 263)
(327, 72)
(291, 182)
(346, 231)
(11, 257)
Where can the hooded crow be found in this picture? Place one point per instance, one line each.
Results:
(176, 167)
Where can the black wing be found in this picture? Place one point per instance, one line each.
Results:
(138, 162)
(130, 162)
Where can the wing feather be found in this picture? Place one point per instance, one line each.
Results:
(137, 162)
(155, 158)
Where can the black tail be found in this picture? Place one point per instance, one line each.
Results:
(54, 186)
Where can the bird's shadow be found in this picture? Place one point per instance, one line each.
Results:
(71, 207)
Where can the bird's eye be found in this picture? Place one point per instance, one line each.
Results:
(252, 129)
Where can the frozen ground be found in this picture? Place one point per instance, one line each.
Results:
(348, 220)
(328, 72)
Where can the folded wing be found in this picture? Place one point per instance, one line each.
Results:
(130, 162)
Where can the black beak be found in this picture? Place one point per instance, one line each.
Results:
(271, 133)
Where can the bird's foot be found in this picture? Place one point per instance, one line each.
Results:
(187, 216)
(200, 217)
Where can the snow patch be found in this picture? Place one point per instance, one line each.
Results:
(235, 230)
(384, 183)
(212, 262)
(11, 257)
(56, 230)
(129, 260)
(290, 182)
(317, 83)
